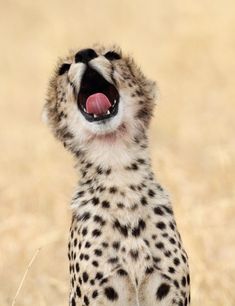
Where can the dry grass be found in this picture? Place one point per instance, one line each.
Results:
(189, 47)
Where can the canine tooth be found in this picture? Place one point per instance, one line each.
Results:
(114, 102)
(95, 116)
(108, 112)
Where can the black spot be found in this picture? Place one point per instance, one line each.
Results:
(84, 231)
(85, 277)
(99, 170)
(120, 205)
(116, 245)
(121, 228)
(146, 242)
(158, 211)
(151, 193)
(73, 302)
(88, 165)
(134, 206)
(147, 257)
(156, 259)
(159, 245)
(110, 293)
(113, 189)
(134, 166)
(183, 281)
(95, 201)
(99, 275)
(172, 240)
(99, 220)
(121, 272)
(134, 254)
(188, 279)
(94, 294)
(98, 252)
(167, 253)
(86, 257)
(105, 204)
(171, 270)
(78, 291)
(161, 225)
(141, 161)
(77, 267)
(176, 261)
(136, 231)
(108, 171)
(86, 300)
(176, 284)
(113, 260)
(168, 209)
(101, 188)
(79, 194)
(159, 187)
(96, 233)
(184, 258)
(95, 263)
(149, 270)
(85, 216)
(142, 224)
(87, 245)
(105, 244)
(104, 280)
(143, 201)
(162, 291)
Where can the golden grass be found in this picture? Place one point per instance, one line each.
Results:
(189, 47)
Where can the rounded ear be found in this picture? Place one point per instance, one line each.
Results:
(153, 90)
(44, 115)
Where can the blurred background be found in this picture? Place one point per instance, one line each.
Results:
(188, 47)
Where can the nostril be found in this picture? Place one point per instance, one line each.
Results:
(85, 55)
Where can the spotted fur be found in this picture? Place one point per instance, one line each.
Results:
(124, 246)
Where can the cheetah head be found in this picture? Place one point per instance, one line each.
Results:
(97, 94)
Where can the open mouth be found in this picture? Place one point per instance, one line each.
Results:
(97, 99)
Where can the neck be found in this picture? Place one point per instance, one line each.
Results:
(119, 167)
(116, 176)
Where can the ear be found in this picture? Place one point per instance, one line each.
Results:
(44, 115)
(153, 92)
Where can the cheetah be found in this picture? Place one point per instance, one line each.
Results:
(124, 246)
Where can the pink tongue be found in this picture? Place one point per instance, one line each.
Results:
(97, 104)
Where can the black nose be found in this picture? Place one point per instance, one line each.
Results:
(85, 55)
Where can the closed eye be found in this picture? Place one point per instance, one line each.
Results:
(63, 68)
(112, 55)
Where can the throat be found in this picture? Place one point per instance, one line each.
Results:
(115, 173)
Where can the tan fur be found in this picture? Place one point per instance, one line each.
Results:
(122, 218)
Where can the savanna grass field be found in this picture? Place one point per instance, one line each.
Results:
(188, 47)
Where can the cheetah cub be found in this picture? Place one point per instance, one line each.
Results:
(124, 247)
